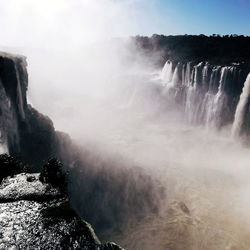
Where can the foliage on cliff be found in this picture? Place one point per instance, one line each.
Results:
(10, 166)
(53, 174)
(217, 49)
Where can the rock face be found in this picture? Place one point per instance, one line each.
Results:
(31, 136)
(24, 132)
(13, 86)
(36, 216)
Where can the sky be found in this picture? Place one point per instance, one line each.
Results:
(53, 33)
(203, 17)
(40, 23)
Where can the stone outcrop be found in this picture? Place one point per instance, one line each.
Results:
(34, 215)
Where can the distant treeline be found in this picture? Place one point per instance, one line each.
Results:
(215, 49)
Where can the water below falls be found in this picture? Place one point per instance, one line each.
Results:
(204, 169)
(206, 176)
(179, 129)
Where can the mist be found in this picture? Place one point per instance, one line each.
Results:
(190, 183)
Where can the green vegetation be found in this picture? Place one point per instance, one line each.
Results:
(10, 166)
(215, 49)
(53, 174)
(62, 211)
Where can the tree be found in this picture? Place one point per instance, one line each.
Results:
(10, 166)
(52, 173)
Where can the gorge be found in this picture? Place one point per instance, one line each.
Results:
(161, 165)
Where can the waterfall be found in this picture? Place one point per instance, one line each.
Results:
(167, 72)
(176, 76)
(242, 109)
(19, 95)
(207, 93)
(6, 120)
(13, 86)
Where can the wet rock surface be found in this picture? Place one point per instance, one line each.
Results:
(32, 222)
(26, 187)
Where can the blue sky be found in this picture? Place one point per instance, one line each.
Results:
(200, 17)
(70, 23)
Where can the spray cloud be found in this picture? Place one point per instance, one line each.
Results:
(102, 91)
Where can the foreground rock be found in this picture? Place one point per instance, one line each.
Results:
(27, 187)
(37, 216)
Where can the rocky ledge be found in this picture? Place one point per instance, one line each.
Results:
(34, 215)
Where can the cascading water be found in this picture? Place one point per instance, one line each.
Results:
(208, 94)
(205, 172)
(242, 110)
(19, 95)
(4, 105)
(167, 73)
(8, 122)
(13, 86)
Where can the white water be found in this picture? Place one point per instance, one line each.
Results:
(205, 171)
(19, 94)
(167, 73)
(205, 92)
(8, 122)
(241, 109)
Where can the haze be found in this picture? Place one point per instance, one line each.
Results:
(89, 78)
